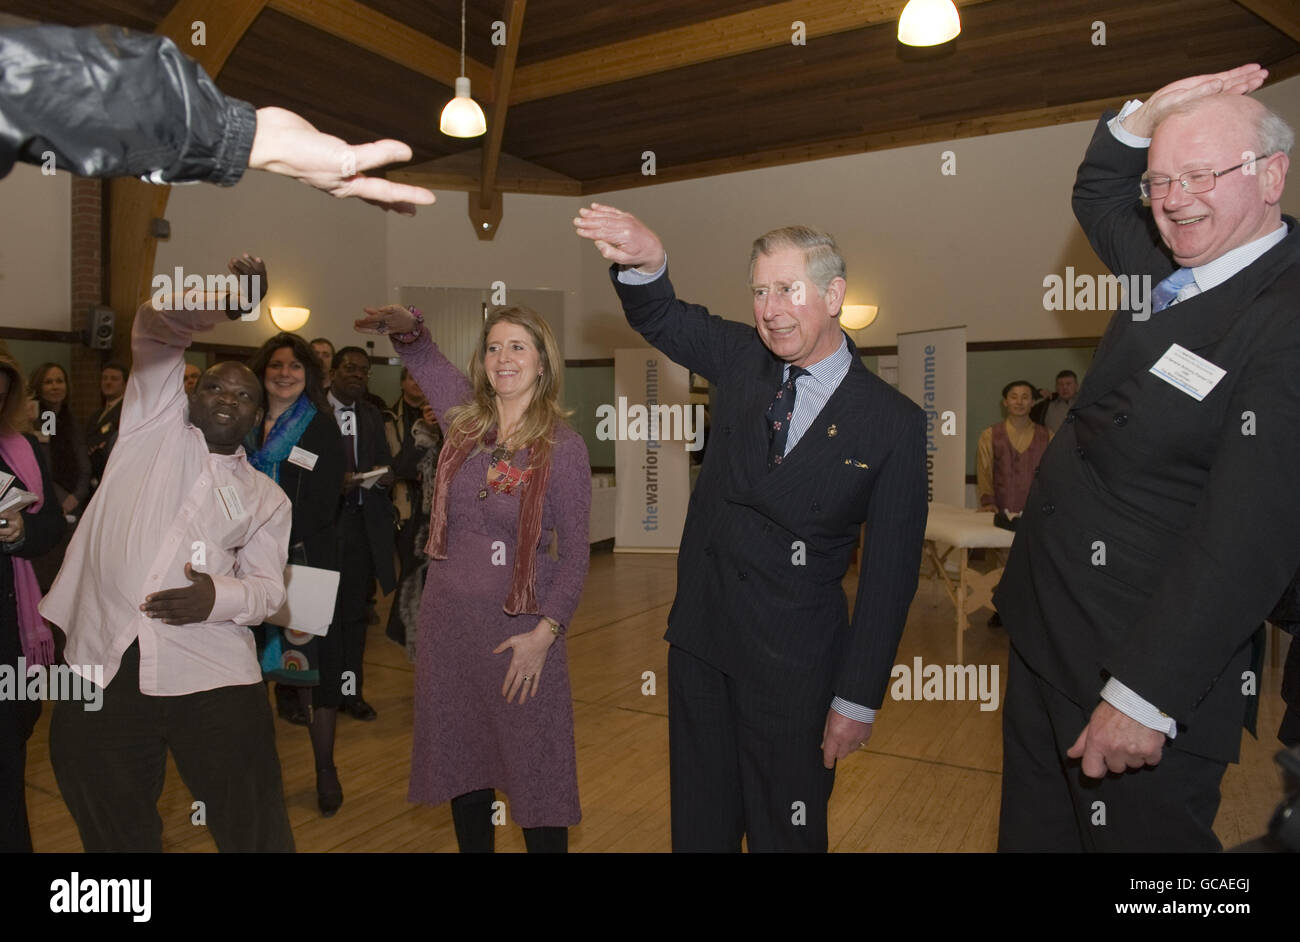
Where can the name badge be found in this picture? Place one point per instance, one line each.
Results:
(302, 458)
(231, 505)
(1183, 369)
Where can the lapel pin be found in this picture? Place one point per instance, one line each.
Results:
(832, 431)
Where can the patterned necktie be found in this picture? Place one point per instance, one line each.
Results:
(778, 417)
(1166, 292)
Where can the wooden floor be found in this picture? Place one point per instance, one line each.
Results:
(928, 781)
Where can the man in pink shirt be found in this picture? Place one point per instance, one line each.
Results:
(182, 548)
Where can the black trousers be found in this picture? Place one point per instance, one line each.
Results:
(745, 760)
(356, 579)
(110, 764)
(1049, 805)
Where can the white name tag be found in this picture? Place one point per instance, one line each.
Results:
(1183, 369)
(231, 505)
(302, 458)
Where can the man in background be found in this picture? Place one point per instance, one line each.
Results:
(366, 523)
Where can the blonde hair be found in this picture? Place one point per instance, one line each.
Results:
(13, 416)
(476, 418)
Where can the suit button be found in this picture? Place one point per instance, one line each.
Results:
(816, 506)
(1069, 416)
(1049, 508)
(742, 576)
(767, 528)
(708, 551)
(1078, 450)
(1120, 419)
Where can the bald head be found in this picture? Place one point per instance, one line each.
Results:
(1226, 134)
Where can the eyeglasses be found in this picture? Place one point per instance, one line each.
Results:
(1193, 181)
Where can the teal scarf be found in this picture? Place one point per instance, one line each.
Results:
(286, 431)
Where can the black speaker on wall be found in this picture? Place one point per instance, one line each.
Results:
(100, 324)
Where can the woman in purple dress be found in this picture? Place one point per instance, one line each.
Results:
(508, 548)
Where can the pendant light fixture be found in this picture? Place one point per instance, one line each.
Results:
(462, 117)
(928, 23)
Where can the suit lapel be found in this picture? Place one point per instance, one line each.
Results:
(1198, 322)
(749, 457)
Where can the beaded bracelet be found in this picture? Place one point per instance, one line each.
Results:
(412, 335)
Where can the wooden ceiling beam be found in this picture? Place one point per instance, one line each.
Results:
(719, 38)
(488, 218)
(1282, 15)
(859, 144)
(505, 182)
(384, 36)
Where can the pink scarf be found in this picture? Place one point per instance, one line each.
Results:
(523, 589)
(37, 639)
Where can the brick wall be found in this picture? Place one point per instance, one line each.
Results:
(87, 290)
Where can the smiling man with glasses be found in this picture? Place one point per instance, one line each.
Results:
(1162, 526)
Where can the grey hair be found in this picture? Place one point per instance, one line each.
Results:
(1275, 135)
(821, 254)
(1272, 134)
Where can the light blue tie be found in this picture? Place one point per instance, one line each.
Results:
(1167, 291)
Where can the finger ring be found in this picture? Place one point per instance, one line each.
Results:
(383, 327)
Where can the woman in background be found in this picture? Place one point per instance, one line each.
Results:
(64, 445)
(299, 446)
(24, 535)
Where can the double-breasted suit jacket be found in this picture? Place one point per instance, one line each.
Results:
(1161, 530)
(763, 553)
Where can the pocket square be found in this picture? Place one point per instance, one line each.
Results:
(856, 463)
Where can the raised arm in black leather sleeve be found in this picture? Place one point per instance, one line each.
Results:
(110, 102)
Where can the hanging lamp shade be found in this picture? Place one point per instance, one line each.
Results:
(928, 23)
(462, 117)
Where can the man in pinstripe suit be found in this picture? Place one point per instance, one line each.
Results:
(770, 682)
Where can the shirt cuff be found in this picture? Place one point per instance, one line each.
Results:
(1121, 133)
(853, 711)
(232, 602)
(630, 276)
(1134, 707)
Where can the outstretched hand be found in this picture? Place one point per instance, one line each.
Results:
(288, 144)
(620, 237)
(389, 319)
(1239, 81)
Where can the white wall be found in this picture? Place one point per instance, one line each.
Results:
(35, 249)
(534, 248)
(321, 253)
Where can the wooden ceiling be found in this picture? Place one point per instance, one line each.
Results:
(710, 86)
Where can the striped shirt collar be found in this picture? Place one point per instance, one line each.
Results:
(1215, 273)
(828, 371)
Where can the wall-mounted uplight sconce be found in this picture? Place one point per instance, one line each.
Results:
(858, 316)
(290, 319)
